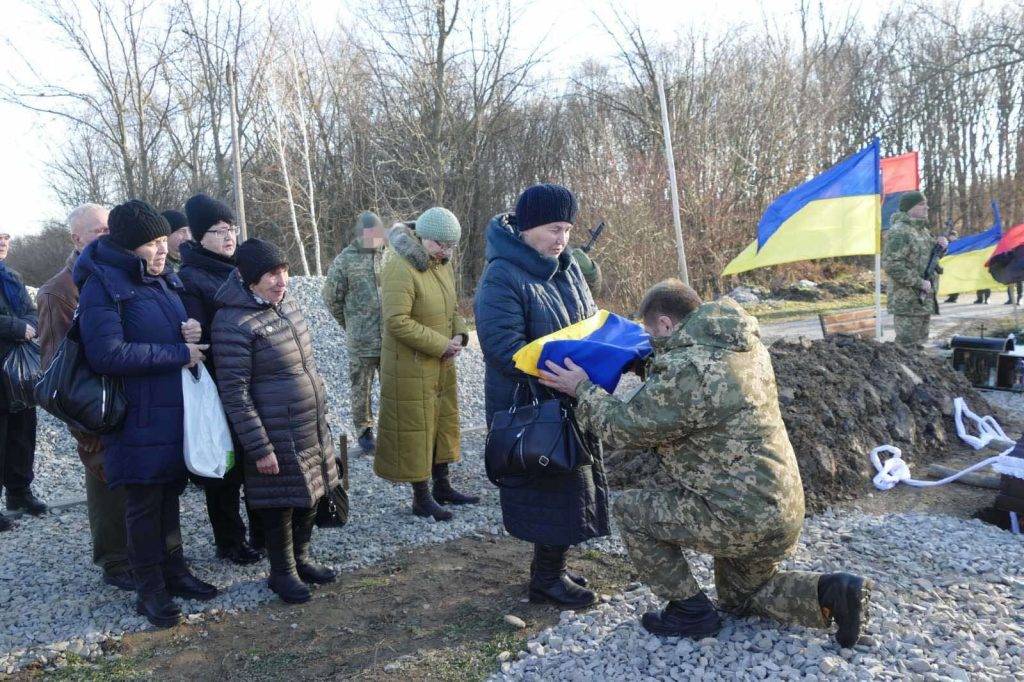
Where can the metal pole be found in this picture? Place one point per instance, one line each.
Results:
(878, 295)
(670, 160)
(236, 152)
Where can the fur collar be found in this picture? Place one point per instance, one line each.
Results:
(407, 244)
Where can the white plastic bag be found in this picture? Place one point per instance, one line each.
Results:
(208, 448)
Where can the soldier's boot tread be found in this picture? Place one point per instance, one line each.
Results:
(845, 598)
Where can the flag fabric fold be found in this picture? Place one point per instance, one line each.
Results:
(603, 345)
(834, 214)
(964, 265)
(1006, 263)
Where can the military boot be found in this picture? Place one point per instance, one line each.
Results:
(283, 580)
(549, 583)
(153, 600)
(423, 504)
(575, 577)
(309, 571)
(844, 597)
(444, 493)
(695, 618)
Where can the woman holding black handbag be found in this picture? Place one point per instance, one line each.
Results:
(532, 287)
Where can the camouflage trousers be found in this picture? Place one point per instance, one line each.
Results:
(657, 525)
(360, 375)
(911, 330)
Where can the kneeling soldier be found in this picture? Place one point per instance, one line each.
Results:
(710, 408)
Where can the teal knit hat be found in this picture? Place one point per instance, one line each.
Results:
(367, 220)
(439, 224)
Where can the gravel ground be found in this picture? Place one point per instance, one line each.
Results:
(941, 610)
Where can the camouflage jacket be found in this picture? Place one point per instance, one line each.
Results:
(352, 294)
(590, 269)
(908, 246)
(710, 409)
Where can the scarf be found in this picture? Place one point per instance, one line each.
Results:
(12, 289)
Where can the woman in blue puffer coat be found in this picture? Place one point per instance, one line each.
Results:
(133, 325)
(532, 287)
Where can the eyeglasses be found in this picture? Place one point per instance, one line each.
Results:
(225, 232)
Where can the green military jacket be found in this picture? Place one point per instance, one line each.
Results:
(590, 269)
(905, 254)
(352, 294)
(710, 409)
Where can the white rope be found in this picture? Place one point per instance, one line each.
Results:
(987, 427)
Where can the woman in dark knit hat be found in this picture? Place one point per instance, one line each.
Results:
(532, 287)
(207, 261)
(277, 405)
(134, 326)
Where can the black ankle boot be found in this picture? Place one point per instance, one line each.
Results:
(844, 598)
(241, 553)
(424, 505)
(309, 571)
(575, 577)
(181, 583)
(695, 618)
(284, 580)
(444, 493)
(153, 600)
(24, 500)
(550, 585)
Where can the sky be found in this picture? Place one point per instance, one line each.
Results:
(570, 28)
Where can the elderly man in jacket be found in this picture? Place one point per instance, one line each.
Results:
(710, 408)
(18, 324)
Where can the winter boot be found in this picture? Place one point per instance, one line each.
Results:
(181, 583)
(444, 493)
(24, 500)
(366, 441)
(844, 598)
(5, 523)
(695, 618)
(424, 505)
(575, 577)
(309, 571)
(153, 600)
(283, 580)
(550, 585)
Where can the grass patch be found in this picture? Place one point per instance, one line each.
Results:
(795, 310)
(371, 582)
(474, 661)
(77, 668)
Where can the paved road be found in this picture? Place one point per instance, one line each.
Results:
(965, 318)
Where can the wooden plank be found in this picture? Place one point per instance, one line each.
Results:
(850, 315)
(976, 479)
(855, 327)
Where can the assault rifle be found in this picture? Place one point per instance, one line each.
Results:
(933, 264)
(594, 234)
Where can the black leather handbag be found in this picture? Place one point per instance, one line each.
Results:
(70, 390)
(538, 439)
(332, 510)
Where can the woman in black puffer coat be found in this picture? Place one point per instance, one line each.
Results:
(530, 288)
(206, 263)
(276, 403)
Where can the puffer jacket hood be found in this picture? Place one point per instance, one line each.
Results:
(720, 324)
(235, 293)
(504, 242)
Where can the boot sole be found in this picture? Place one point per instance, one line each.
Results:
(309, 580)
(539, 598)
(698, 634)
(156, 621)
(425, 515)
(292, 600)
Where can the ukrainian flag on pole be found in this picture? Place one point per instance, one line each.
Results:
(837, 213)
(963, 266)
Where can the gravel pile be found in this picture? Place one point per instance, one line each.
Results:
(947, 605)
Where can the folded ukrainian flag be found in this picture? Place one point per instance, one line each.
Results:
(603, 345)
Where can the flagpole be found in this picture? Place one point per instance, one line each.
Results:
(878, 296)
(670, 160)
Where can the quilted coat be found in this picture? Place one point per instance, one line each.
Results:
(419, 411)
(524, 295)
(274, 397)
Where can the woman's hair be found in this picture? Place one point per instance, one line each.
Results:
(671, 298)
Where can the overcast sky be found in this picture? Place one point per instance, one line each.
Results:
(28, 140)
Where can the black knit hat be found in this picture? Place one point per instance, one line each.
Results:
(910, 200)
(135, 223)
(176, 219)
(256, 258)
(543, 204)
(204, 212)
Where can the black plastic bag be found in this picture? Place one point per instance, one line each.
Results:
(20, 372)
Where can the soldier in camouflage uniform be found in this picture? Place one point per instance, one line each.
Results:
(352, 294)
(905, 255)
(709, 407)
(590, 269)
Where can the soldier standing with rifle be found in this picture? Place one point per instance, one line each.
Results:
(910, 258)
(590, 269)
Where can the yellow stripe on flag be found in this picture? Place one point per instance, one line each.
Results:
(827, 228)
(966, 272)
(527, 357)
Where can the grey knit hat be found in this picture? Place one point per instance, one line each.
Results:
(439, 224)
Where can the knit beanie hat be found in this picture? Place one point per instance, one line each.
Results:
(543, 204)
(176, 219)
(135, 223)
(910, 200)
(204, 212)
(256, 258)
(439, 224)
(367, 220)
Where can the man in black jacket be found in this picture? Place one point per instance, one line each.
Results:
(18, 324)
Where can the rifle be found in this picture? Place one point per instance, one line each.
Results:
(933, 263)
(594, 234)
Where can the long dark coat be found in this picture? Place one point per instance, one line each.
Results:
(524, 295)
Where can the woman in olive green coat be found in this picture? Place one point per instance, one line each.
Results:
(418, 433)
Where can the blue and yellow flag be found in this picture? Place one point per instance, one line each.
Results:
(963, 266)
(837, 213)
(603, 345)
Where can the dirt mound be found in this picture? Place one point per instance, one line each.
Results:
(840, 398)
